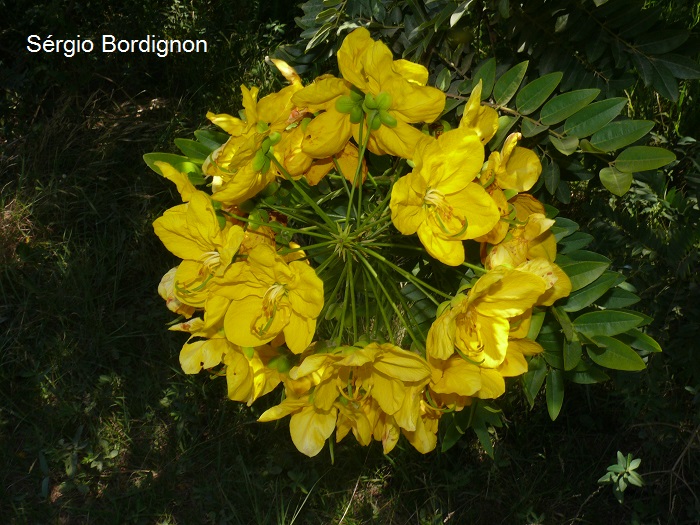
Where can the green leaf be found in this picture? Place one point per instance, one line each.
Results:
(176, 161)
(587, 375)
(590, 119)
(619, 298)
(564, 321)
(639, 340)
(588, 294)
(680, 66)
(616, 182)
(643, 158)
(606, 322)
(196, 151)
(572, 354)
(555, 392)
(320, 36)
(614, 354)
(444, 79)
(576, 241)
(621, 133)
(566, 145)
(563, 227)
(211, 139)
(505, 123)
(530, 128)
(454, 430)
(533, 378)
(536, 321)
(659, 42)
(534, 94)
(551, 177)
(582, 273)
(487, 74)
(508, 84)
(664, 81)
(563, 106)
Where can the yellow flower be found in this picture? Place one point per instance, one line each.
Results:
(248, 375)
(514, 168)
(166, 289)
(192, 232)
(397, 86)
(242, 167)
(180, 179)
(477, 324)
(269, 296)
(524, 242)
(439, 199)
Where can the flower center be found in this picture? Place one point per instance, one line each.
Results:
(211, 260)
(271, 297)
(435, 198)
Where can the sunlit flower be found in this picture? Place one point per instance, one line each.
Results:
(269, 296)
(439, 200)
(396, 90)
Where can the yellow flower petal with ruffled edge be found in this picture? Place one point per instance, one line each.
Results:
(202, 354)
(310, 428)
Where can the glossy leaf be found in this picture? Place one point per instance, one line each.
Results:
(587, 295)
(487, 75)
(582, 273)
(592, 118)
(614, 354)
(534, 94)
(563, 106)
(555, 392)
(619, 298)
(196, 151)
(576, 241)
(176, 161)
(566, 145)
(508, 84)
(606, 322)
(534, 378)
(551, 176)
(572, 354)
(530, 128)
(616, 182)
(639, 340)
(619, 134)
(643, 158)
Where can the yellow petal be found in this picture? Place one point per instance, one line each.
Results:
(310, 428)
(202, 354)
(181, 180)
(327, 134)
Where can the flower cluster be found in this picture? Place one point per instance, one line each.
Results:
(299, 264)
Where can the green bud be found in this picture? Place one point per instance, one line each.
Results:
(356, 95)
(370, 103)
(383, 100)
(344, 104)
(387, 119)
(266, 165)
(270, 189)
(275, 137)
(249, 351)
(305, 123)
(262, 127)
(376, 122)
(259, 160)
(265, 147)
(356, 115)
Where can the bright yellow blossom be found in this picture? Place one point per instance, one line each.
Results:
(269, 296)
(439, 200)
(398, 85)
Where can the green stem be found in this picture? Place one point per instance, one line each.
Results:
(370, 282)
(421, 285)
(303, 194)
(476, 268)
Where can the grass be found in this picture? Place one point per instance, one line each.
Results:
(99, 425)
